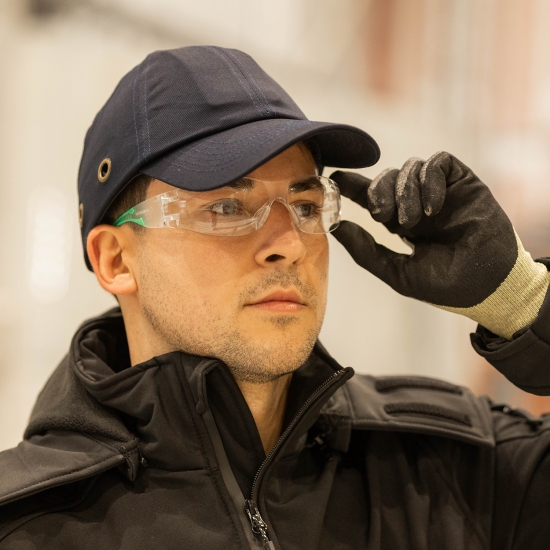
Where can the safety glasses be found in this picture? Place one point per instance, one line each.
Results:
(241, 207)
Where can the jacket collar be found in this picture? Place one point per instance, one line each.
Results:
(158, 403)
(95, 413)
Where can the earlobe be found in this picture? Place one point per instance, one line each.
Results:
(110, 251)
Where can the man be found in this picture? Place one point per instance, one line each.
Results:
(204, 413)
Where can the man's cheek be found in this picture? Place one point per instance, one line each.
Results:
(208, 267)
(318, 260)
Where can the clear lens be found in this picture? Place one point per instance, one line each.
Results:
(240, 209)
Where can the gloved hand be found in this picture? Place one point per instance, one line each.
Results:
(466, 255)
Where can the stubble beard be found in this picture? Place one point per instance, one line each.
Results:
(255, 362)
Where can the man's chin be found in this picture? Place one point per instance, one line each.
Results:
(266, 355)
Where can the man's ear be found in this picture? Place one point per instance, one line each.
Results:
(112, 252)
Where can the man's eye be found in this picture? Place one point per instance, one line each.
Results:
(307, 209)
(226, 208)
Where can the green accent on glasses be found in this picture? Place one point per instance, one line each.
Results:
(126, 217)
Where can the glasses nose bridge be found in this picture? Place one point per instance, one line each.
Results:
(269, 204)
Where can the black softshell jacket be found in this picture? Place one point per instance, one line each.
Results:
(166, 455)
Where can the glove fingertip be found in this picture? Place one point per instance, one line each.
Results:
(432, 209)
(382, 215)
(433, 198)
(345, 227)
(336, 174)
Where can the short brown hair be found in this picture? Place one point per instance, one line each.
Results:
(134, 193)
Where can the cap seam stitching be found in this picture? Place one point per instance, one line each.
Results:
(145, 107)
(232, 69)
(252, 80)
(135, 121)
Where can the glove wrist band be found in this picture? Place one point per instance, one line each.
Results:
(515, 304)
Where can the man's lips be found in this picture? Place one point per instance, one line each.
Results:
(280, 300)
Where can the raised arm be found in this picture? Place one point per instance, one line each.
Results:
(466, 258)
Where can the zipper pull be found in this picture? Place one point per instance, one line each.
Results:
(142, 459)
(259, 526)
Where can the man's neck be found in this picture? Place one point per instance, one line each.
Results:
(267, 403)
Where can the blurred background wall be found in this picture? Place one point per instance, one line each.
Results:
(468, 76)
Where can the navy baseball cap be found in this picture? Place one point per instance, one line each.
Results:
(199, 118)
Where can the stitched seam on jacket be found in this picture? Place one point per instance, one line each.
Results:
(350, 401)
(462, 428)
(523, 436)
(215, 474)
(427, 410)
(212, 471)
(195, 427)
(65, 474)
(7, 530)
(154, 466)
(114, 447)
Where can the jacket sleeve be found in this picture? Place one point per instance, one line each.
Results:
(524, 360)
(522, 481)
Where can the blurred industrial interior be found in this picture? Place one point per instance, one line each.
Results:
(468, 76)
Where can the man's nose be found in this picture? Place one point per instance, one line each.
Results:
(281, 240)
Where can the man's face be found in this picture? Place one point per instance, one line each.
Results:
(205, 294)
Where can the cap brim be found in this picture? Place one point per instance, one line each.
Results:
(220, 159)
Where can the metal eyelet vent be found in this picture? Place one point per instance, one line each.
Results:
(81, 214)
(104, 170)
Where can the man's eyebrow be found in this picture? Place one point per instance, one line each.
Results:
(305, 185)
(242, 184)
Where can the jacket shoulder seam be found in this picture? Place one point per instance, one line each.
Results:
(420, 405)
(15, 523)
(523, 436)
(21, 492)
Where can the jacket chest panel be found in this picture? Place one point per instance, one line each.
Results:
(388, 492)
(425, 493)
(160, 510)
(318, 501)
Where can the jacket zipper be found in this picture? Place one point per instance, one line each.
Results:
(258, 525)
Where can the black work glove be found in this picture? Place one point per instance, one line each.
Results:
(466, 255)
